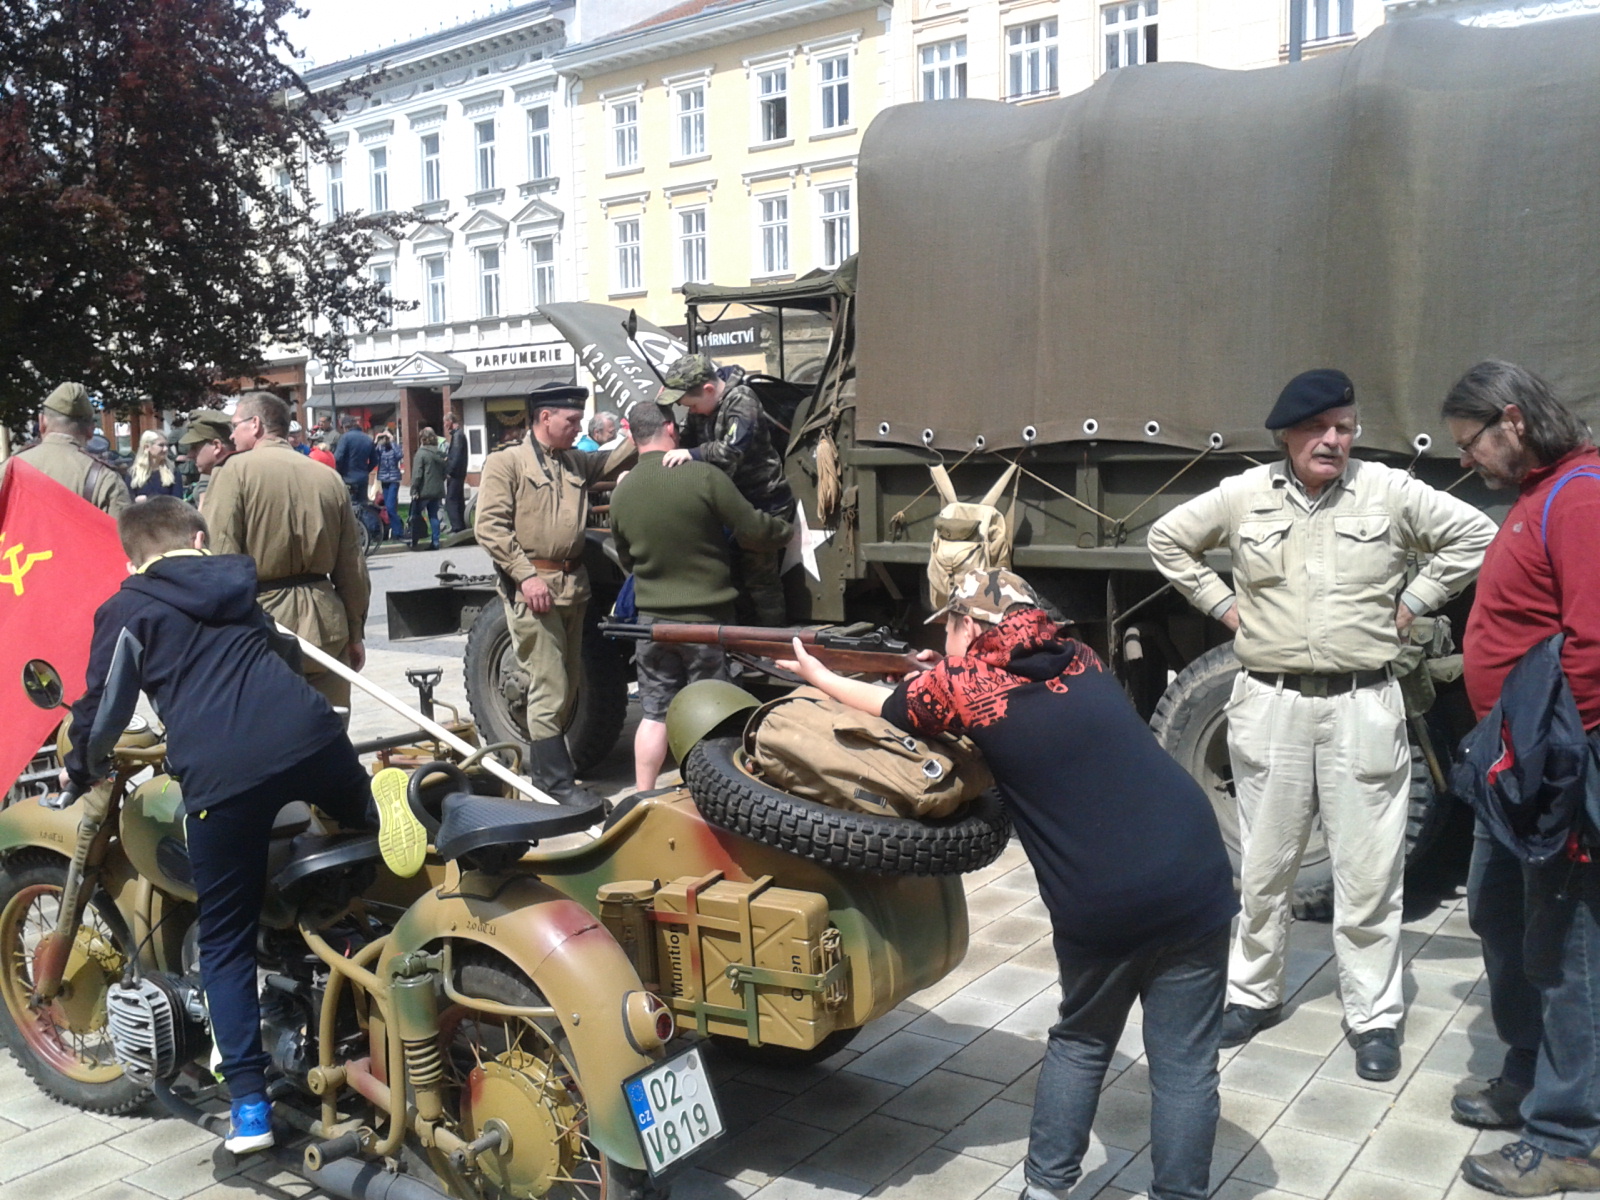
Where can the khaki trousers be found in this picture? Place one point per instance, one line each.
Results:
(1348, 758)
(549, 649)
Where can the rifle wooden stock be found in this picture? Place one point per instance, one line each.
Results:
(853, 656)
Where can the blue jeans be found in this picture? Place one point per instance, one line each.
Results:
(1181, 986)
(391, 502)
(1495, 909)
(1561, 956)
(418, 507)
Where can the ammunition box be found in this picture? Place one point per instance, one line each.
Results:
(625, 908)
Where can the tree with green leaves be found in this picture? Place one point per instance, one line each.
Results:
(157, 230)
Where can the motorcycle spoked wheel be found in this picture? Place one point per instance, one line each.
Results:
(521, 1072)
(65, 1047)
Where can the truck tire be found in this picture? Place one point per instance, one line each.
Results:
(496, 689)
(731, 798)
(1191, 726)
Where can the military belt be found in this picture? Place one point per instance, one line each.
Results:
(565, 565)
(288, 581)
(1333, 684)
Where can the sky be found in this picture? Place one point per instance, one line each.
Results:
(337, 29)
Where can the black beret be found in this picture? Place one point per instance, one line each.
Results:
(558, 395)
(1310, 393)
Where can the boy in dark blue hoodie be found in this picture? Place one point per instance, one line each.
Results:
(235, 714)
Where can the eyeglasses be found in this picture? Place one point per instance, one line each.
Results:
(1466, 447)
(238, 421)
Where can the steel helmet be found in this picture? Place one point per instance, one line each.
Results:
(702, 709)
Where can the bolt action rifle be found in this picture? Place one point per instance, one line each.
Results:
(870, 652)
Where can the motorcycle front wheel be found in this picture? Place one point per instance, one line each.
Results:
(65, 1046)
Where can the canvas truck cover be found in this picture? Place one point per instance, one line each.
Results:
(1153, 258)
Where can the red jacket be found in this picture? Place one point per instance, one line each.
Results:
(1525, 595)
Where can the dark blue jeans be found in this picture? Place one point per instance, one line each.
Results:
(228, 850)
(391, 503)
(1496, 888)
(418, 509)
(1181, 987)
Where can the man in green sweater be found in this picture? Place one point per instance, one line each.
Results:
(672, 530)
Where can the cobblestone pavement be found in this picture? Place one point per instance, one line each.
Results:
(931, 1102)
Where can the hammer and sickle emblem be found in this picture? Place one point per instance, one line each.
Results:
(18, 562)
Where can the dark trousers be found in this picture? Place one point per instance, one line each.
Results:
(1181, 987)
(1496, 911)
(430, 526)
(455, 503)
(228, 850)
(391, 504)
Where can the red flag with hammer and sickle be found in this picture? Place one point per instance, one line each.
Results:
(60, 559)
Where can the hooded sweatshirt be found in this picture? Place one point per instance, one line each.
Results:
(1123, 841)
(235, 712)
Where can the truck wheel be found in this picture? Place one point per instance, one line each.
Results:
(730, 797)
(497, 690)
(1191, 726)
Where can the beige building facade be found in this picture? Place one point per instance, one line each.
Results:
(718, 143)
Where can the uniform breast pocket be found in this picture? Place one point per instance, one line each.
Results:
(1259, 560)
(1363, 549)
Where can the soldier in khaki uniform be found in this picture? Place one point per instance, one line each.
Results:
(1321, 601)
(533, 506)
(208, 441)
(293, 517)
(65, 422)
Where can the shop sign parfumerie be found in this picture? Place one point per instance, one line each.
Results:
(517, 358)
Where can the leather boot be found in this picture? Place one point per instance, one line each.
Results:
(550, 768)
(1240, 1023)
(1523, 1170)
(1497, 1105)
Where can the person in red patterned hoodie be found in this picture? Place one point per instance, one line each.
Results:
(1540, 926)
(1128, 856)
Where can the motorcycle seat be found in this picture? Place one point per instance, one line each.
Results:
(313, 853)
(476, 822)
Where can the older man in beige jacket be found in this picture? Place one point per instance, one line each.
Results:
(1320, 603)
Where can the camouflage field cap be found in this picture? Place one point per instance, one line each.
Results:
(684, 375)
(206, 425)
(71, 400)
(987, 596)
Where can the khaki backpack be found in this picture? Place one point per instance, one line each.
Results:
(815, 748)
(967, 536)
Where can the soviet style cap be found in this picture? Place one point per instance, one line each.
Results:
(71, 400)
(986, 596)
(206, 425)
(684, 375)
(558, 395)
(1310, 393)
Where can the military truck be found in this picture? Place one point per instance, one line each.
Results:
(1109, 290)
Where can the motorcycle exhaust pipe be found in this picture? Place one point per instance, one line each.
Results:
(321, 1154)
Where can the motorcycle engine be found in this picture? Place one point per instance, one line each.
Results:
(157, 1026)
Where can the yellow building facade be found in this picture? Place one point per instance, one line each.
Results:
(718, 143)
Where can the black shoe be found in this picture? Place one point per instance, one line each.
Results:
(550, 767)
(1240, 1023)
(1377, 1054)
(1497, 1105)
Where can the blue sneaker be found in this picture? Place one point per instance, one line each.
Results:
(251, 1126)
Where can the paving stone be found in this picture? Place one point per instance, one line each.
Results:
(1136, 1077)
(938, 1175)
(1295, 1161)
(1428, 1096)
(1300, 964)
(1490, 1140)
(1138, 1175)
(809, 1183)
(27, 1106)
(1123, 1118)
(1421, 1153)
(1245, 1118)
(1016, 931)
(998, 1055)
(1019, 879)
(1022, 1091)
(766, 1150)
(1041, 956)
(7, 1129)
(68, 1178)
(1364, 1185)
(118, 1191)
(902, 1058)
(1033, 1019)
(161, 1139)
(1427, 988)
(191, 1171)
(876, 1031)
(942, 1099)
(1034, 908)
(839, 1102)
(1101, 1164)
(1311, 1030)
(997, 1132)
(988, 904)
(1451, 955)
(1244, 1189)
(1011, 984)
(1270, 1071)
(787, 1081)
(695, 1184)
(874, 1149)
(1463, 1055)
(45, 1144)
(1458, 925)
(1336, 1110)
(961, 1019)
(743, 1104)
(1340, 1067)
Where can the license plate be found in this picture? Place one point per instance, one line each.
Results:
(674, 1110)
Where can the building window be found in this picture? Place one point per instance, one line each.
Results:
(433, 284)
(1324, 18)
(489, 281)
(539, 143)
(1131, 33)
(625, 134)
(285, 184)
(542, 252)
(432, 173)
(837, 238)
(692, 246)
(775, 235)
(772, 115)
(630, 274)
(1031, 59)
(833, 75)
(691, 122)
(484, 133)
(378, 161)
(944, 70)
(336, 189)
(383, 276)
